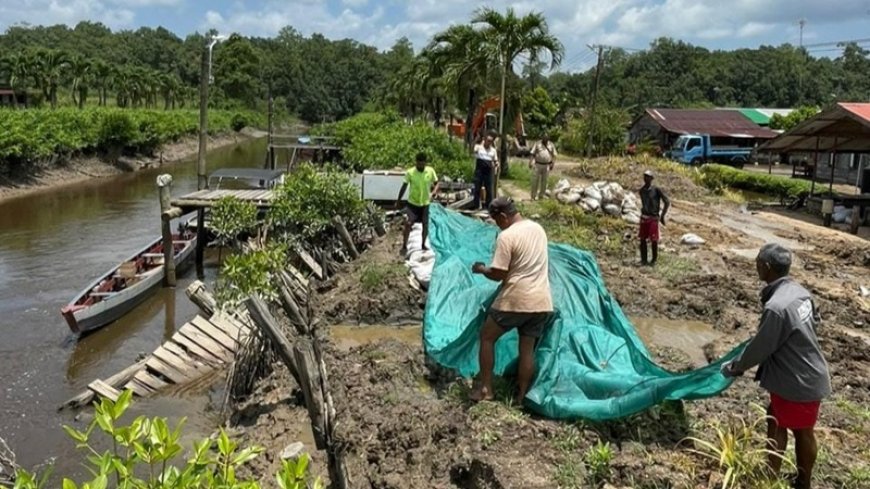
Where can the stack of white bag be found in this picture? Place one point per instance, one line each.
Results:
(607, 197)
(419, 261)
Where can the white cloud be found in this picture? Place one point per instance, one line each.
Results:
(355, 3)
(50, 12)
(145, 3)
(755, 29)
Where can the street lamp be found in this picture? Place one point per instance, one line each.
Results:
(213, 40)
(205, 78)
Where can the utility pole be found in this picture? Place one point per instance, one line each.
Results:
(594, 98)
(205, 78)
(802, 23)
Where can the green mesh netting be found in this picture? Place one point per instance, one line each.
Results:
(590, 362)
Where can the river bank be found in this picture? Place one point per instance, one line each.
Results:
(83, 168)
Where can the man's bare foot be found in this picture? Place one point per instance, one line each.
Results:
(480, 394)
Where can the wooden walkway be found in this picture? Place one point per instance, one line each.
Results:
(196, 349)
(208, 198)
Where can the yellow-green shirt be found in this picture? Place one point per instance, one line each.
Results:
(419, 185)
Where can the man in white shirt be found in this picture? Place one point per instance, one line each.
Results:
(486, 164)
(543, 159)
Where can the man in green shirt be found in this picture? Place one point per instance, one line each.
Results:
(420, 179)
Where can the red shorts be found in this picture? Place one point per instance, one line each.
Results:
(794, 415)
(649, 228)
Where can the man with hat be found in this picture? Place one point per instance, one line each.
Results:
(524, 301)
(651, 214)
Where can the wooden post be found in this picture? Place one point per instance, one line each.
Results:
(164, 185)
(202, 180)
(345, 236)
(200, 242)
(199, 295)
(292, 309)
(378, 223)
(266, 322)
(856, 219)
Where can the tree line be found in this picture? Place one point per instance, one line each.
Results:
(320, 79)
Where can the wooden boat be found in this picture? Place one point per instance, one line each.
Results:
(125, 286)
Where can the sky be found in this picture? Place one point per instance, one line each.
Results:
(715, 24)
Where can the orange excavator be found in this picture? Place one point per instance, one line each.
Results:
(483, 120)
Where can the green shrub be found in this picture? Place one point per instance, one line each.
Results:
(239, 122)
(719, 177)
(245, 274)
(230, 217)
(309, 198)
(608, 133)
(381, 141)
(144, 451)
(117, 129)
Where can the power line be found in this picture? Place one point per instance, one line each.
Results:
(836, 43)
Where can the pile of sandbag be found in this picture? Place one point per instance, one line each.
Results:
(607, 197)
(421, 262)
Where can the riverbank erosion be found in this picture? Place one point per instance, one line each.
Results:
(59, 171)
(405, 423)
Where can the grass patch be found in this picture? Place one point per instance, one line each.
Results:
(376, 277)
(569, 224)
(720, 177)
(597, 459)
(859, 477)
(570, 474)
(520, 174)
(859, 413)
(674, 268)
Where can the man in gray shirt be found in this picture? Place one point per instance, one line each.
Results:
(791, 364)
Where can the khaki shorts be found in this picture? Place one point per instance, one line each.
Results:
(532, 324)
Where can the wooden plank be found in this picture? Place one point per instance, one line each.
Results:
(116, 381)
(216, 334)
(176, 362)
(204, 341)
(149, 380)
(198, 351)
(195, 363)
(229, 326)
(167, 371)
(310, 262)
(139, 389)
(103, 389)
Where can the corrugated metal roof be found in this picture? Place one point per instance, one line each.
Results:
(755, 116)
(844, 127)
(723, 123)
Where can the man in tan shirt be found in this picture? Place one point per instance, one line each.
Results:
(524, 302)
(543, 159)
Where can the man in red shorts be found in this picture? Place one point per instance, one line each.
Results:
(791, 364)
(651, 213)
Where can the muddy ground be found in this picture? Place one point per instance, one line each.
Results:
(405, 424)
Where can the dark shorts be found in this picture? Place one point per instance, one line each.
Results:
(794, 415)
(530, 324)
(417, 213)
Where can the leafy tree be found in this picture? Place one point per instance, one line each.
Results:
(81, 74)
(794, 118)
(608, 135)
(539, 112)
(17, 69)
(49, 70)
(507, 36)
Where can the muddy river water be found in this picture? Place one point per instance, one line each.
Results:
(52, 244)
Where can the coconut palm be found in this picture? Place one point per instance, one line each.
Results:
(505, 38)
(103, 74)
(458, 55)
(50, 67)
(17, 67)
(80, 71)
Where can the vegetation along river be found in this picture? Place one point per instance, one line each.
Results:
(52, 244)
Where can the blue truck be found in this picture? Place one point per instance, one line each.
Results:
(697, 149)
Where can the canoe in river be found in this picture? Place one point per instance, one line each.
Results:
(125, 286)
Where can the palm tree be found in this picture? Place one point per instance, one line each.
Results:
(80, 71)
(506, 37)
(17, 67)
(123, 78)
(457, 54)
(169, 88)
(103, 74)
(50, 67)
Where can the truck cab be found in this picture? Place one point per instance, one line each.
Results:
(696, 149)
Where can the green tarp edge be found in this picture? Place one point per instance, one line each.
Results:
(591, 364)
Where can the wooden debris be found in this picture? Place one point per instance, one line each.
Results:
(103, 389)
(115, 381)
(199, 295)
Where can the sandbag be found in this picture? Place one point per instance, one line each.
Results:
(592, 192)
(591, 204)
(569, 197)
(692, 239)
(631, 217)
(612, 210)
(561, 186)
(590, 362)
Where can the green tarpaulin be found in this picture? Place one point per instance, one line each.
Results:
(590, 362)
